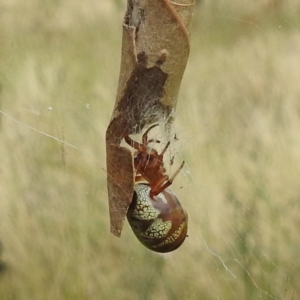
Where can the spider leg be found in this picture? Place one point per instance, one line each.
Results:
(134, 144)
(145, 135)
(143, 145)
(158, 188)
(165, 149)
(160, 157)
(153, 141)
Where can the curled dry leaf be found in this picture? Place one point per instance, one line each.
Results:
(155, 50)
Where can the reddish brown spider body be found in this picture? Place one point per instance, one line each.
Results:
(155, 214)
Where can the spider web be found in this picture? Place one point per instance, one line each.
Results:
(236, 127)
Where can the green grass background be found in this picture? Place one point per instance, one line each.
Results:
(238, 120)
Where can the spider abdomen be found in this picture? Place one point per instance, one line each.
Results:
(159, 222)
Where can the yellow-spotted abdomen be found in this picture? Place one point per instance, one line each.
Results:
(159, 222)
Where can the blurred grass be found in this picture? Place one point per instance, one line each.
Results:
(238, 123)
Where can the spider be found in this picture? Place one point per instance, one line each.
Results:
(149, 164)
